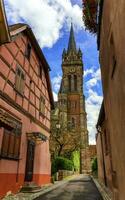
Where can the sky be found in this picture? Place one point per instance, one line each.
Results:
(50, 21)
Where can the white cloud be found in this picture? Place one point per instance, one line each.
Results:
(96, 76)
(88, 71)
(56, 81)
(93, 103)
(55, 96)
(46, 17)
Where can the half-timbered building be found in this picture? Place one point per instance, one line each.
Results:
(25, 103)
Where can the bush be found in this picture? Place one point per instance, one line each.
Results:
(94, 165)
(75, 157)
(61, 163)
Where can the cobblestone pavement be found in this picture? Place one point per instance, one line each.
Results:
(80, 188)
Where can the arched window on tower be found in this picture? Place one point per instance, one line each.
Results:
(69, 82)
(73, 122)
(75, 82)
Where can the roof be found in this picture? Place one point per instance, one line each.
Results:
(72, 43)
(19, 28)
(101, 115)
(4, 33)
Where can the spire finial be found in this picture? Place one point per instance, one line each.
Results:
(72, 43)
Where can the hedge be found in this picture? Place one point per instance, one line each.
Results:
(61, 163)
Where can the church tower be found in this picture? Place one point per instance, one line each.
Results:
(71, 100)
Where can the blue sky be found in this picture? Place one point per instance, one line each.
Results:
(50, 21)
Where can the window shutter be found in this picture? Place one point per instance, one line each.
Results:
(20, 80)
(17, 146)
(42, 105)
(5, 143)
(11, 145)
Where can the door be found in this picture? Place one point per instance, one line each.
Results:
(30, 161)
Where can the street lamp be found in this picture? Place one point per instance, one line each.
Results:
(58, 126)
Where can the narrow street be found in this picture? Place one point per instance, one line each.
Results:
(80, 188)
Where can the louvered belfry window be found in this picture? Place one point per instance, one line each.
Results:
(11, 144)
(69, 82)
(20, 80)
(75, 82)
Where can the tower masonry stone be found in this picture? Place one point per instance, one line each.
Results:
(71, 100)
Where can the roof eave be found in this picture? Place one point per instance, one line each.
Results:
(101, 117)
(4, 34)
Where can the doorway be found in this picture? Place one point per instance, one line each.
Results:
(30, 161)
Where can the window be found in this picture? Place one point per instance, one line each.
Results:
(11, 144)
(75, 82)
(69, 82)
(113, 67)
(42, 105)
(19, 83)
(28, 51)
(115, 179)
(113, 58)
(73, 122)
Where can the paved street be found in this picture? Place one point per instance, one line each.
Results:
(80, 188)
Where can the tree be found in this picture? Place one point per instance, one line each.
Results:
(64, 139)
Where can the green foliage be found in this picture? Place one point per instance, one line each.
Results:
(75, 157)
(94, 165)
(60, 163)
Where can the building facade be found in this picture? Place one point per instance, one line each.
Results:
(25, 104)
(71, 101)
(103, 146)
(111, 43)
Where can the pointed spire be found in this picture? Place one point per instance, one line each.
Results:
(72, 43)
(80, 52)
(64, 52)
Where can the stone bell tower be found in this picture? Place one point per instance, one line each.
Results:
(71, 99)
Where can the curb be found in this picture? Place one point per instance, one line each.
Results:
(102, 189)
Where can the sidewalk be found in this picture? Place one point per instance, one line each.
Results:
(106, 194)
(44, 189)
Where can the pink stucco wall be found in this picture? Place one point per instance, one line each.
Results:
(12, 173)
